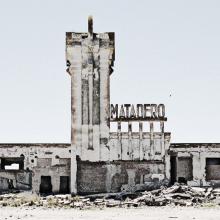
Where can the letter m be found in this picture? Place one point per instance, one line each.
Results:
(114, 111)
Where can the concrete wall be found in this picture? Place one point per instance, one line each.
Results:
(45, 168)
(139, 146)
(39, 160)
(198, 153)
(15, 179)
(3, 184)
(100, 177)
(126, 165)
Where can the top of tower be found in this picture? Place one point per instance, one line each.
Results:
(104, 40)
(90, 25)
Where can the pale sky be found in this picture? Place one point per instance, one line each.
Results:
(162, 48)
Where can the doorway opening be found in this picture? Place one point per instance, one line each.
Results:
(45, 185)
(65, 184)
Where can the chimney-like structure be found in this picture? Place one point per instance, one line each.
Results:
(90, 57)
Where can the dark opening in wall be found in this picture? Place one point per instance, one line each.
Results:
(172, 170)
(64, 184)
(212, 161)
(212, 169)
(12, 163)
(184, 169)
(10, 184)
(182, 180)
(45, 185)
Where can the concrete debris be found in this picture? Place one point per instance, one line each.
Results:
(176, 195)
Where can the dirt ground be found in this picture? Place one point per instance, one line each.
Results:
(146, 213)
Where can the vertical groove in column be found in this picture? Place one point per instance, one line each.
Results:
(119, 139)
(131, 153)
(140, 140)
(152, 139)
(90, 80)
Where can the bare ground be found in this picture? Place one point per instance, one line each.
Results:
(146, 213)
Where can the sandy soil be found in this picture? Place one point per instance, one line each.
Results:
(146, 213)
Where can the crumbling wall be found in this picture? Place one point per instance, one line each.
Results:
(4, 185)
(38, 160)
(184, 169)
(133, 161)
(138, 146)
(202, 175)
(15, 180)
(45, 168)
(99, 177)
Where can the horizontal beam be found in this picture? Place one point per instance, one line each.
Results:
(137, 119)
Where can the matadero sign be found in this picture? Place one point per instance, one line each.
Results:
(139, 112)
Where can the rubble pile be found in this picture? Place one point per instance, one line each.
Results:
(178, 194)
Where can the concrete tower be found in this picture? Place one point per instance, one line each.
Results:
(90, 57)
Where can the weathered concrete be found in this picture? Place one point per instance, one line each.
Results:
(100, 177)
(198, 154)
(90, 57)
(39, 160)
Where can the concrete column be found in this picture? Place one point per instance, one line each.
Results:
(55, 181)
(85, 100)
(167, 166)
(162, 144)
(198, 168)
(73, 172)
(74, 58)
(131, 178)
(75, 71)
(36, 180)
(104, 102)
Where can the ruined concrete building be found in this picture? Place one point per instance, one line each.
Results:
(98, 160)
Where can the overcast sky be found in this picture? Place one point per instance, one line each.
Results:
(163, 48)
